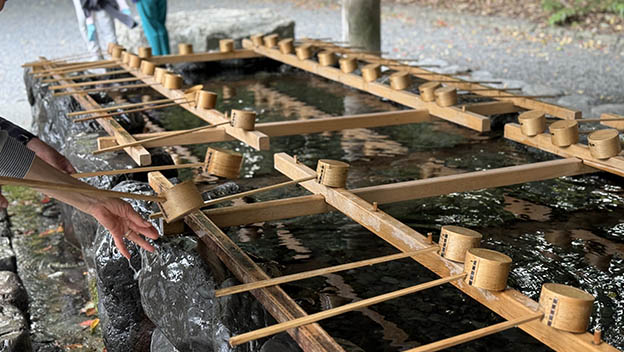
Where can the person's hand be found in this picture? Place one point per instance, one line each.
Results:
(50, 155)
(91, 32)
(122, 221)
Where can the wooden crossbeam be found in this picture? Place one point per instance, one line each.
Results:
(255, 139)
(492, 108)
(400, 191)
(139, 154)
(453, 114)
(614, 165)
(289, 128)
(529, 104)
(510, 304)
(203, 57)
(282, 307)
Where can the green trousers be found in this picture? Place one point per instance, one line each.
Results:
(153, 16)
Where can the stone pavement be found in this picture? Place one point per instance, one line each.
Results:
(584, 67)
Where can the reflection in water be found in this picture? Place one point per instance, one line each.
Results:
(287, 239)
(391, 332)
(527, 210)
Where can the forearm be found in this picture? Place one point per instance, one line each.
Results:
(42, 171)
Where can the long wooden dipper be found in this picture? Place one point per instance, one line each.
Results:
(179, 133)
(105, 89)
(312, 273)
(125, 106)
(91, 75)
(313, 318)
(76, 188)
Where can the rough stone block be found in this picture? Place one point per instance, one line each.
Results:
(12, 291)
(14, 336)
(7, 256)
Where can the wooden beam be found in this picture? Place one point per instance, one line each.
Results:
(453, 114)
(614, 165)
(281, 306)
(510, 304)
(615, 124)
(493, 108)
(401, 191)
(139, 154)
(288, 128)
(255, 139)
(529, 104)
(204, 57)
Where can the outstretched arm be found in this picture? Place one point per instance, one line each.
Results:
(114, 214)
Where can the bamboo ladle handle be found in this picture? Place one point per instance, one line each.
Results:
(125, 106)
(104, 89)
(94, 83)
(312, 273)
(76, 188)
(313, 318)
(135, 170)
(122, 146)
(600, 120)
(258, 190)
(91, 75)
(247, 193)
(473, 335)
(153, 107)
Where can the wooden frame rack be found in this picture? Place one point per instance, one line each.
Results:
(357, 204)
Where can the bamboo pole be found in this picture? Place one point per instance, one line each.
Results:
(109, 73)
(258, 190)
(54, 70)
(136, 170)
(125, 106)
(151, 107)
(277, 328)
(76, 188)
(43, 61)
(104, 89)
(93, 83)
(179, 133)
(473, 335)
(318, 272)
(600, 120)
(505, 96)
(73, 69)
(488, 89)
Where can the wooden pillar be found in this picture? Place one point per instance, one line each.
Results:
(361, 23)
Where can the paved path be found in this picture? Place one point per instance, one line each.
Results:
(503, 48)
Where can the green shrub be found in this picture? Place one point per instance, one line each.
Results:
(562, 11)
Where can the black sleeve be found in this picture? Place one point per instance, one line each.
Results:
(15, 131)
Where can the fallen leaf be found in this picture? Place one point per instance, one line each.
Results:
(94, 324)
(87, 323)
